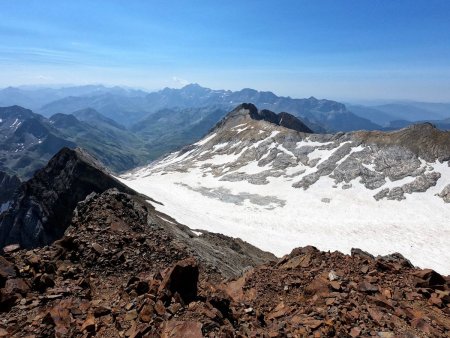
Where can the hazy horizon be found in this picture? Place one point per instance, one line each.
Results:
(347, 51)
(352, 101)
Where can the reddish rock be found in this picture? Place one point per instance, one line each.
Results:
(7, 270)
(421, 324)
(182, 329)
(355, 332)
(100, 311)
(89, 323)
(428, 278)
(335, 285)
(280, 310)
(16, 285)
(376, 315)
(61, 317)
(98, 248)
(159, 308)
(146, 313)
(297, 262)
(182, 279)
(367, 287)
(4, 333)
(318, 286)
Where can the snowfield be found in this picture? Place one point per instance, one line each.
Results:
(279, 190)
(417, 227)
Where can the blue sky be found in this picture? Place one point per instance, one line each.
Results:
(338, 49)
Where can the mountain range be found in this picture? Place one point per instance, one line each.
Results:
(409, 112)
(130, 127)
(29, 140)
(128, 107)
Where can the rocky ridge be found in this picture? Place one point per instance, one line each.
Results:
(42, 206)
(246, 110)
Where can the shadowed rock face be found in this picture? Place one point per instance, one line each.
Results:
(42, 208)
(8, 184)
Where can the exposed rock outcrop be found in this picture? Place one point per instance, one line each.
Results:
(42, 208)
(445, 194)
(248, 110)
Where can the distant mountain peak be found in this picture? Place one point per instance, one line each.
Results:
(193, 85)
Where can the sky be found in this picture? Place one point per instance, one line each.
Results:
(336, 49)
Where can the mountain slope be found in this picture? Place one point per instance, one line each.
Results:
(409, 111)
(315, 113)
(122, 109)
(42, 208)
(27, 141)
(116, 148)
(34, 97)
(171, 129)
(441, 124)
(94, 118)
(278, 188)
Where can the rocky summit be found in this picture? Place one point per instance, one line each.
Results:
(278, 186)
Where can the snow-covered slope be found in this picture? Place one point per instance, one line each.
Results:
(279, 189)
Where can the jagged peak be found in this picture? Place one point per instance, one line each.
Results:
(249, 110)
(424, 125)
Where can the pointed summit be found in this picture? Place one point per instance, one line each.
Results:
(247, 111)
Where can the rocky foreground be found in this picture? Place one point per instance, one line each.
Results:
(124, 270)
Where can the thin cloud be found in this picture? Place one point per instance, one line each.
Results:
(180, 81)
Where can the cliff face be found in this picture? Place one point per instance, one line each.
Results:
(8, 185)
(42, 208)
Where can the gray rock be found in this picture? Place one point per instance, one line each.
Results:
(396, 193)
(381, 194)
(422, 183)
(445, 194)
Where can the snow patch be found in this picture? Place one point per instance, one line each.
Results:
(205, 140)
